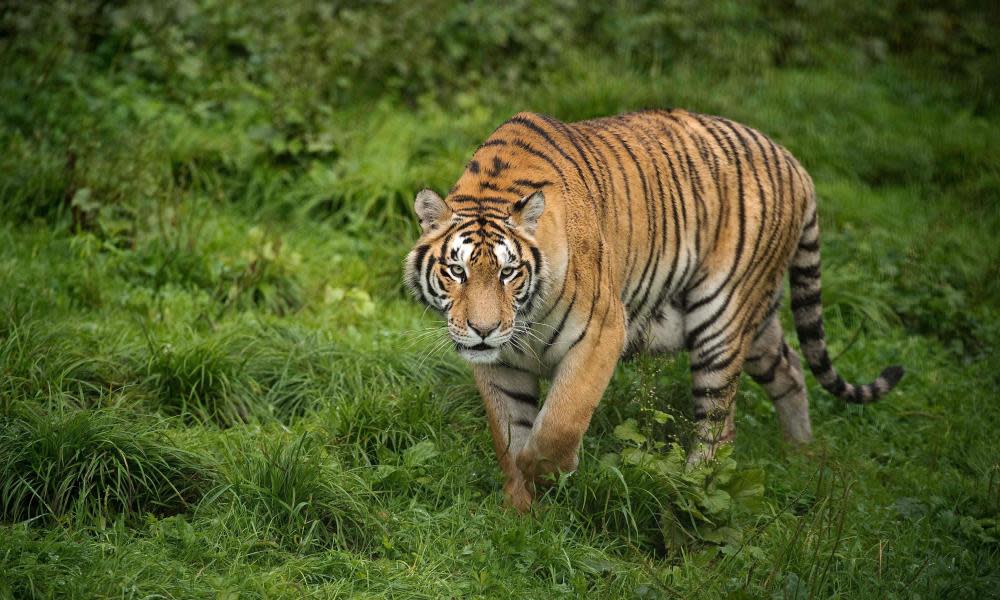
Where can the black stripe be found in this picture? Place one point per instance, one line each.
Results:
(481, 213)
(531, 125)
(710, 392)
(799, 273)
(498, 166)
(669, 284)
(537, 255)
(523, 145)
(808, 300)
(659, 242)
(571, 136)
(480, 199)
(809, 332)
(823, 365)
(518, 396)
(794, 387)
(713, 364)
(562, 321)
(532, 184)
(768, 375)
(812, 220)
(701, 413)
(647, 194)
(741, 216)
(598, 133)
(586, 326)
(418, 259)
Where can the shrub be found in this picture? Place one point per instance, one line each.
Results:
(647, 492)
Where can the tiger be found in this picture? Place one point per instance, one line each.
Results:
(565, 247)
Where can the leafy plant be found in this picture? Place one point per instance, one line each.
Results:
(682, 504)
(264, 277)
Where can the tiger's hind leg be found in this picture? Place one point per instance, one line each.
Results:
(777, 369)
(716, 364)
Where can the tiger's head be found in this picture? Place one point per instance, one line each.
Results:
(482, 270)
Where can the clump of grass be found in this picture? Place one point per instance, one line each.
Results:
(201, 380)
(646, 493)
(91, 462)
(296, 494)
(37, 362)
(295, 371)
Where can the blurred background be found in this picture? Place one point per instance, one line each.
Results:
(339, 110)
(212, 383)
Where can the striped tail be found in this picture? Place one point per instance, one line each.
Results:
(808, 311)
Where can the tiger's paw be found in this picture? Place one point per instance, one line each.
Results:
(542, 471)
(516, 495)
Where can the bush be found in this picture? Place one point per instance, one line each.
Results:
(183, 96)
(647, 492)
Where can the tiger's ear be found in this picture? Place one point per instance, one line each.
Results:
(528, 210)
(430, 209)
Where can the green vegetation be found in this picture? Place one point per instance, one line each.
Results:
(212, 383)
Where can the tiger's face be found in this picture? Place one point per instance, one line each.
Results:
(483, 272)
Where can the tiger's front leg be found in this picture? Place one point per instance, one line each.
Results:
(510, 398)
(580, 380)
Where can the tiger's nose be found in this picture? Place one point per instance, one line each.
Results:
(483, 330)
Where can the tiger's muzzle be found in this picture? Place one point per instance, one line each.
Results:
(479, 343)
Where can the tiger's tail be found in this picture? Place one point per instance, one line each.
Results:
(807, 309)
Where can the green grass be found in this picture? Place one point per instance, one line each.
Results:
(90, 464)
(213, 384)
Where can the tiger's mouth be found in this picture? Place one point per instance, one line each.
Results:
(480, 353)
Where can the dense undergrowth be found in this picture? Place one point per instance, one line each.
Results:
(213, 384)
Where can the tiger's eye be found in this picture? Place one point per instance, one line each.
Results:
(506, 272)
(456, 270)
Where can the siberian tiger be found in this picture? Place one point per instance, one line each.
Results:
(564, 246)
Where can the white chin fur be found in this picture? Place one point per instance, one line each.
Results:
(480, 356)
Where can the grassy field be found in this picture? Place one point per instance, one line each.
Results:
(213, 385)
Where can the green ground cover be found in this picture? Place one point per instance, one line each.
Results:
(212, 383)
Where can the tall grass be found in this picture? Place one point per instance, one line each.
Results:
(92, 463)
(38, 362)
(293, 492)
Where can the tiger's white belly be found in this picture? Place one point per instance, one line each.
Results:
(664, 333)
